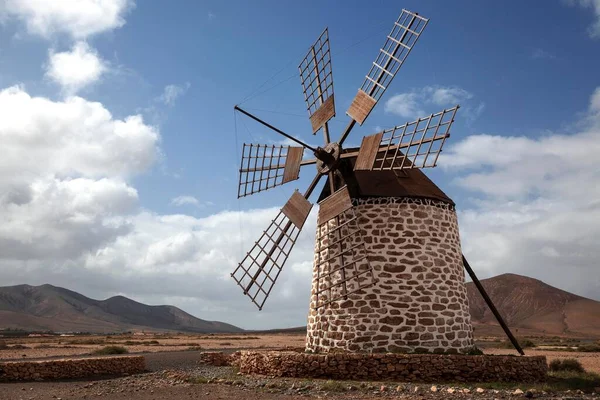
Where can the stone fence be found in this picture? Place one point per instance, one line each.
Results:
(70, 368)
(395, 367)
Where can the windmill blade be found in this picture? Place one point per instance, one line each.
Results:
(343, 266)
(264, 167)
(416, 144)
(403, 37)
(317, 82)
(259, 270)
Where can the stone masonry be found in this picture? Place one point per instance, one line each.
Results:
(395, 367)
(419, 300)
(75, 368)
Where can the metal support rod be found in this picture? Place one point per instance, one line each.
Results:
(275, 129)
(492, 306)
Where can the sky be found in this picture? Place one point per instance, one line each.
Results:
(120, 147)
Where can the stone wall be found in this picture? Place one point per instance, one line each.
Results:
(395, 367)
(71, 368)
(419, 300)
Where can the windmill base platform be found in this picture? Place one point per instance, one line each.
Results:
(419, 299)
(431, 368)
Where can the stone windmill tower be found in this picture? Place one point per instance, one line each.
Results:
(388, 269)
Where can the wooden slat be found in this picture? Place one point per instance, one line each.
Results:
(297, 209)
(368, 151)
(361, 107)
(324, 113)
(292, 163)
(334, 205)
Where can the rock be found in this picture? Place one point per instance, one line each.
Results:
(479, 390)
(465, 390)
(450, 390)
(399, 388)
(529, 394)
(383, 388)
(518, 391)
(433, 389)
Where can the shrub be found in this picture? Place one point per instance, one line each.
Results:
(3, 345)
(568, 364)
(333, 386)
(111, 350)
(589, 348)
(473, 351)
(199, 380)
(526, 343)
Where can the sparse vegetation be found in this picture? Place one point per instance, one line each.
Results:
(198, 380)
(3, 345)
(589, 348)
(225, 344)
(473, 351)
(107, 350)
(567, 364)
(333, 386)
(195, 348)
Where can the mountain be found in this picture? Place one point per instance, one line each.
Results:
(530, 306)
(48, 307)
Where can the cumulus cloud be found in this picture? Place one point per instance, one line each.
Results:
(418, 102)
(74, 137)
(75, 69)
(63, 175)
(76, 18)
(172, 92)
(594, 5)
(534, 205)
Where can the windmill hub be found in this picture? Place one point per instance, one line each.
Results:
(328, 158)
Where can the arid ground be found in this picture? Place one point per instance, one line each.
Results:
(176, 372)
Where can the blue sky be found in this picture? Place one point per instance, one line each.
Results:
(151, 202)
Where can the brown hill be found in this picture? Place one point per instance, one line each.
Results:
(48, 307)
(533, 307)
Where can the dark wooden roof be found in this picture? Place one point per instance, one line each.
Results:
(405, 183)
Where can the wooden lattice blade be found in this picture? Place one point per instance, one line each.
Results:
(267, 166)
(317, 82)
(342, 266)
(260, 268)
(416, 144)
(399, 43)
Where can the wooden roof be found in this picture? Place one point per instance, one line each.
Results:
(405, 183)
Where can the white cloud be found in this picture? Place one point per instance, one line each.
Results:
(418, 102)
(594, 29)
(77, 18)
(75, 69)
(534, 207)
(185, 200)
(405, 105)
(172, 93)
(447, 96)
(74, 137)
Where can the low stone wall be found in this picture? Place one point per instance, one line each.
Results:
(71, 368)
(395, 367)
(216, 358)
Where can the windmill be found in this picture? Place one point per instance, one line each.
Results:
(388, 269)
